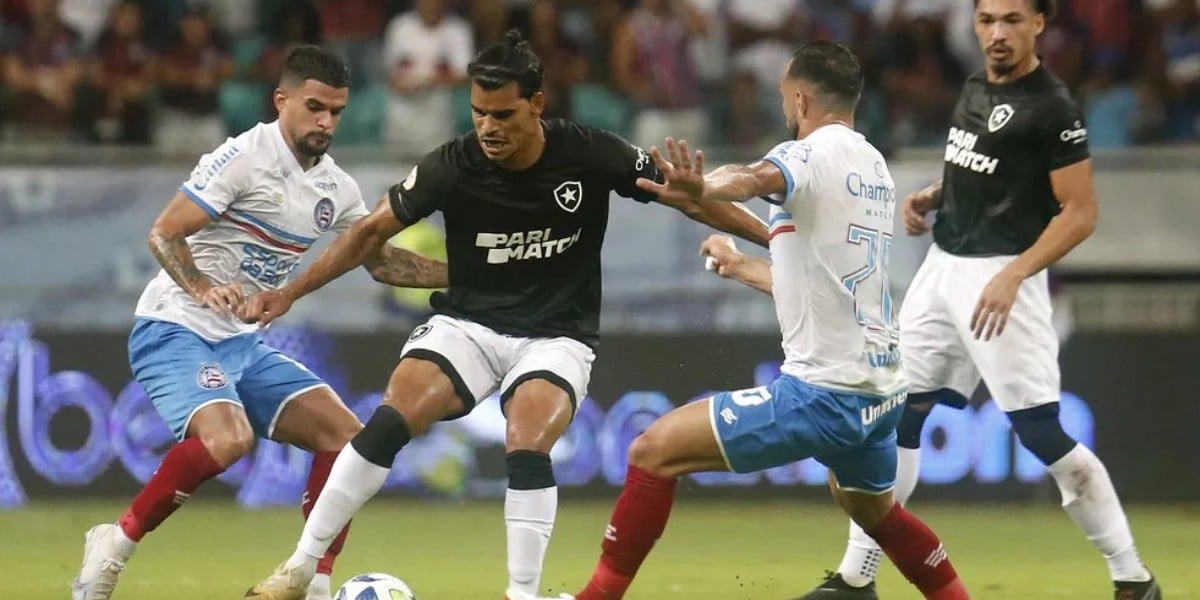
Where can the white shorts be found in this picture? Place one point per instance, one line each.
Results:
(480, 361)
(939, 350)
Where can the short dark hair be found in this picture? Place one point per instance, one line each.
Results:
(314, 62)
(832, 68)
(502, 63)
(1048, 8)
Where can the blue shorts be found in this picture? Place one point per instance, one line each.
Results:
(182, 372)
(852, 434)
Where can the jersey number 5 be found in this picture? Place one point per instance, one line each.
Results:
(878, 246)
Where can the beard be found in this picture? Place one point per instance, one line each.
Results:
(1002, 68)
(314, 145)
(793, 128)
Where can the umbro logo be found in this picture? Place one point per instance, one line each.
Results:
(937, 557)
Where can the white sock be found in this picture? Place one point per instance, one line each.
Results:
(529, 520)
(863, 554)
(123, 545)
(352, 481)
(1088, 496)
(321, 581)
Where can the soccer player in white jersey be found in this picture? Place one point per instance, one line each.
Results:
(841, 391)
(240, 224)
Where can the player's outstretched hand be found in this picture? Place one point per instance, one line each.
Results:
(683, 173)
(224, 298)
(264, 307)
(997, 299)
(721, 255)
(913, 210)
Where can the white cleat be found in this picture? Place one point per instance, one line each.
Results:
(284, 584)
(102, 565)
(319, 589)
(519, 595)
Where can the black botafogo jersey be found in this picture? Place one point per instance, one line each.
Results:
(524, 246)
(1004, 141)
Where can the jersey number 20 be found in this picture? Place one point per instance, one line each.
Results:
(878, 246)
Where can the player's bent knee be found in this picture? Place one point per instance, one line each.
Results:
(912, 422)
(648, 452)
(335, 436)
(385, 433)
(867, 509)
(228, 446)
(1041, 433)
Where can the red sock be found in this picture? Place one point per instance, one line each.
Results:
(322, 463)
(186, 465)
(916, 550)
(637, 522)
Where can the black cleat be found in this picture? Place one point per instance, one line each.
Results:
(836, 588)
(1137, 590)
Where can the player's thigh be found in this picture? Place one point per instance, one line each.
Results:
(786, 421)
(1020, 366)
(680, 442)
(934, 354)
(446, 368)
(869, 468)
(542, 390)
(181, 372)
(287, 402)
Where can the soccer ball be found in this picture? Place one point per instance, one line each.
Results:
(375, 586)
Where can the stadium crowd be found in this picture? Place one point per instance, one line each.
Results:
(181, 74)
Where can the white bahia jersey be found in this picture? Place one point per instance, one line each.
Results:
(266, 212)
(831, 235)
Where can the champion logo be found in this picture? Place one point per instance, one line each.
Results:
(610, 533)
(180, 498)
(937, 557)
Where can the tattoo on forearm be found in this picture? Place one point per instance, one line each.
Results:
(401, 268)
(173, 254)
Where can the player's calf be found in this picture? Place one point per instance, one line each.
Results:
(917, 553)
(1088, 494)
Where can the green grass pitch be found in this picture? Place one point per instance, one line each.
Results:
(728, 550)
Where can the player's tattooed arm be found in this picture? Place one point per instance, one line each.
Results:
(734, 219)
(401, 268)
(168, 243)
(363, 242)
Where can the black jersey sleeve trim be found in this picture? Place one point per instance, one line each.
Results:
(396, 201)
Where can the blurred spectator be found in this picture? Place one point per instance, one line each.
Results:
(1109, 25)
(563, 61)
(763, 34)
(426, 52)
(120, 76)
(921, 80)
(87, 18)
(1063, 47)
(190, 77)
(1177, 62)
(352, 28)
(489, 20)
(42, 67)
(652, 63)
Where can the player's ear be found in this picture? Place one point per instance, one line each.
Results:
(278, 99)
(1039, 23)
(537, 103)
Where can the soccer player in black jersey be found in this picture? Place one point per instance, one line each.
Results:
(525, 203)
(1016, 195)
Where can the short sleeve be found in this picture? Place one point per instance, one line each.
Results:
(353, 208)
(422, 192)
(792, 158)
(624, 164)
(220, 178)
(1065, 138)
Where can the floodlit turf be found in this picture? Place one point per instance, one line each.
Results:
(712, 550)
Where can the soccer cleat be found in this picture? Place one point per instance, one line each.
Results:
(1137, 590)
(101, 567)
(318, 591)
(518, 595)
(836, 588)
(283, 584)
